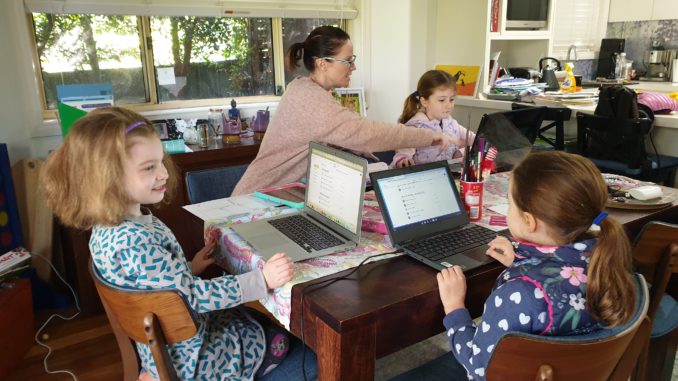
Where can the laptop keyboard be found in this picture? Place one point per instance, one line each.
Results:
(305, 233)
(454, 242)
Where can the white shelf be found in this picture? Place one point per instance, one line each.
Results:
(520, 35)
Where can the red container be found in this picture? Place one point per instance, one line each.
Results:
(472, 197)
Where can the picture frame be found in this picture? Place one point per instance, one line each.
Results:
(468, 78)
(352, 98)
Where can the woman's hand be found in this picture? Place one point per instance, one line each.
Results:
(203, 258)
(278, 271)
(406, 162)
(502, 250)
(445, 140)
(452, 288)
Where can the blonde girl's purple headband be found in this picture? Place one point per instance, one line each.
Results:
(133, 126)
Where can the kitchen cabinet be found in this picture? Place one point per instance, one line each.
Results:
(634, 10)
(664, 9)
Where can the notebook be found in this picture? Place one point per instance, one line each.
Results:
(332, 215)
(425, 218)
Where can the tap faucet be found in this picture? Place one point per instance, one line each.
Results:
(570, 49)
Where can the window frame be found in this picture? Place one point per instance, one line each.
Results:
(590, 48)
(150, 81)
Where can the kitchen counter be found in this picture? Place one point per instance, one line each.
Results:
(667, 121)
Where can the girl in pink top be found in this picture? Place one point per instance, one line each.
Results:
(430, 107)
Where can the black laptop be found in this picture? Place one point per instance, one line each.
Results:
(426, 219)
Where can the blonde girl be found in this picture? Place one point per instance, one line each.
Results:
(110, 165)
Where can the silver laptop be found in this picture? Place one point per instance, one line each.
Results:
(426, 219)
(332, 216)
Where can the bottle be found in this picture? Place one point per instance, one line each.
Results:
(570, 83)
(619, 66)
(203, 133)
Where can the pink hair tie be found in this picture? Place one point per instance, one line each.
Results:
(133, 126)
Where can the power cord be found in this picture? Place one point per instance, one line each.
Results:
(322, 284)
(37, 334)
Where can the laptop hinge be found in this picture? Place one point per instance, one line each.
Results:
(327, 227)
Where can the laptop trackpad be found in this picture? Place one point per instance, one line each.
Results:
(468, 260)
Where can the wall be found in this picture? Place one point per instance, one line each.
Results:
(396, 37)
(19, 108)
(639, 36)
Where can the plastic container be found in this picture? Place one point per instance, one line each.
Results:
(569, 84)
(619, 65)
(216, 118)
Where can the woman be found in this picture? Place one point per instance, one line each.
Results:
(308, 112)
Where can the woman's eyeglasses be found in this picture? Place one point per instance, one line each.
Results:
(348, 63)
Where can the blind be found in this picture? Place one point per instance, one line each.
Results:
(341, 9)
(577, 22)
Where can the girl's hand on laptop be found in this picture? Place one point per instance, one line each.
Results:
(404, 162)
(278, 271)
(445, 140)
(501, 249)
(452, 288)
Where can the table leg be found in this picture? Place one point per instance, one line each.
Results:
(346, 355)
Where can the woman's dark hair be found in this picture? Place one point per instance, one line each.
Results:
(323, 41)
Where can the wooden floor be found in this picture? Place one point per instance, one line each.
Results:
(85, 346)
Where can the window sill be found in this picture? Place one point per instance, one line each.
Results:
(51, 127)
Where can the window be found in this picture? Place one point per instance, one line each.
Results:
(182, 61)
(577, 22)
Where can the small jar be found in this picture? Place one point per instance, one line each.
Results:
(216, 119)
(203, 134)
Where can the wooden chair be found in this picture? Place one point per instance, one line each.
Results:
(153, 317)
(608, 354)
(655, 252)
(556, 116)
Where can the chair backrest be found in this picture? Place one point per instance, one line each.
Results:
(527, 120)
(153, 317)
(607, 354)
(654, 254)
(211, 184)
(621, 140)
(556, 116)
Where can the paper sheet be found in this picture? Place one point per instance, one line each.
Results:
(501, 209)
(228, 207)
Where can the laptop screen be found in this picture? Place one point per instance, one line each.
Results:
(419, 198)
(335, 187)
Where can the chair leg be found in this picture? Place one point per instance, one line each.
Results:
(662, 356)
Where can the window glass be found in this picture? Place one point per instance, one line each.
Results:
(77, 49)
(212, 57)
(296, 30)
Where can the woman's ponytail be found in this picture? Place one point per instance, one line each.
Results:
(294, 54)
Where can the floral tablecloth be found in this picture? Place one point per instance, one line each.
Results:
(237, 256)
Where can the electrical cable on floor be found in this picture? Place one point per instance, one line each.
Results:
(322, 284)
(37, 334)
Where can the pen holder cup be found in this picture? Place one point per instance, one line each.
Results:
(472, 198)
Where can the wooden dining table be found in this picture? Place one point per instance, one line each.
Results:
(390, 304)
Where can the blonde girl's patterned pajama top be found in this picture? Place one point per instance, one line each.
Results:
(543, 292)
(142, 253)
